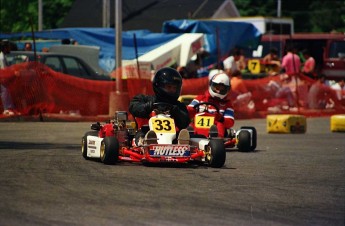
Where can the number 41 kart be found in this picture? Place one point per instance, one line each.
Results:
(243, 139)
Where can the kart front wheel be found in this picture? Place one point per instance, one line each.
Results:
(215, 153)
(109, 150)
(84, 142)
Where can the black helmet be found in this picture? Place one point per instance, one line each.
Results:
(167, 76)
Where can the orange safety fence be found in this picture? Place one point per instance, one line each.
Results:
(293, 94)
(37, 89)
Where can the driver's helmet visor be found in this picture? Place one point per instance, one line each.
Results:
(220, 88)
(170, 88)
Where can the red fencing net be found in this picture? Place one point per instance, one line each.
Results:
(37, 89)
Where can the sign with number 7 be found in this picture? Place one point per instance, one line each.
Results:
(254, 66)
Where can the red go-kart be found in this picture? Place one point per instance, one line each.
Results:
(112, 142)
(244, 139)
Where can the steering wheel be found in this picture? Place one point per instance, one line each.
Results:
(162, 107)
(196, 107)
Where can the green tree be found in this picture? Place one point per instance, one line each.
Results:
(17, 16)
(267, 8)
(328, 16)
(308, 15)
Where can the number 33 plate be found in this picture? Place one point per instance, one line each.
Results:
(166, 125)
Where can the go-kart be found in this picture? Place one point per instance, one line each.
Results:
(115, 141)
(243, 139)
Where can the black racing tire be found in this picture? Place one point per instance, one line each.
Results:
(253, 137)
(244, 142)
(216, 153)
(84, 142)
(109, 150)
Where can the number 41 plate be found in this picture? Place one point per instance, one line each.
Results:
(204, 121)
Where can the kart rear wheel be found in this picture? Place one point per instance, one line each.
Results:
(84, 142)
(215, 154)
(252, 137)
(109, 150)
(244, 141)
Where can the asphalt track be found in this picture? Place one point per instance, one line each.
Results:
(292, 179)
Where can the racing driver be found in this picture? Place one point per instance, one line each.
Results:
(167, 85)
(217, 93)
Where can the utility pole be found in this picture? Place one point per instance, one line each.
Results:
(118, 44)
(118, 100)
(40, 15)
(279, 8)
(106, 13)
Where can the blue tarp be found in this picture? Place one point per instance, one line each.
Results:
(230, 34)
(225, 34)
(105, 39)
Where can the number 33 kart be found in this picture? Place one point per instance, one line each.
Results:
(112, 142)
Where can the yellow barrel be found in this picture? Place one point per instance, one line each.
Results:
(286, 123)
(338, 123)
